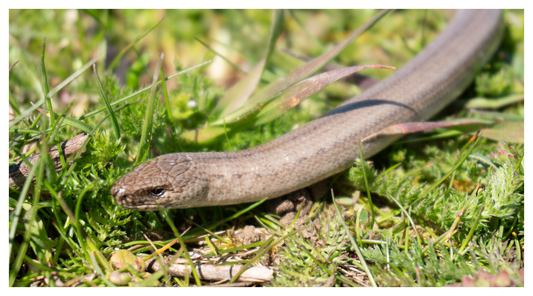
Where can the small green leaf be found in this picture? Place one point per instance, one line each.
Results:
(507, 131)
(494, 103)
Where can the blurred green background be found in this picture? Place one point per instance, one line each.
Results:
(76, 36)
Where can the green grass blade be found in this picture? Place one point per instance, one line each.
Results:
(45, 82)
(13, 104)
(507, 131)
(182, 244)
(220, 55)
(263, 251)
(369, 196)
(77, 124)
(455, 167)
(168, 118)
(32, 212)
(409, 218)
(354, 244)
(25, 114)
(240, 92)
(494, 103)
(116, 60)
(69, 121)
(146, 136)
(18, 208)
(103, 95)
(116, 102)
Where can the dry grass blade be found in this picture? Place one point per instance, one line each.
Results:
(364, 82)
(393, 131)
(13, 65)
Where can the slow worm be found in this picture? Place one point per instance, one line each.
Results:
(327, 145)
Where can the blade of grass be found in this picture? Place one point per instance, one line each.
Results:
(45, 82)
(455, 167)
(25, 114)
(116, 60)
(71, 78)
(53, 132)
(370, 204)
(495, 103)
(70, 121)
(13, 104)
(173, 135)
(143, 90)
(410, 219)
(472, 230)
(103, 95)
(297, 93)
(18, 208)
(32, 211)
(220, 55)
(356, 247)
(182, 244)
(236, 215)
(96, 267)
(146, 136)
(263, 251)
(13, 65)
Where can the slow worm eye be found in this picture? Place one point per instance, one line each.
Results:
(158, 192)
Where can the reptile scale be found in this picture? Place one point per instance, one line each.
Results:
(327, 145)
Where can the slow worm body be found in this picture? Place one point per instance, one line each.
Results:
(327, 145)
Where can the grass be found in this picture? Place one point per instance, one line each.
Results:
(448, 210)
